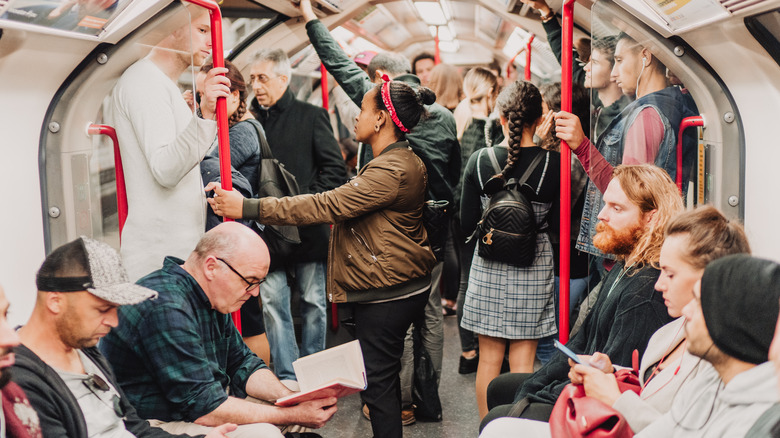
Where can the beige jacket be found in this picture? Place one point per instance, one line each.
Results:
(379, 249)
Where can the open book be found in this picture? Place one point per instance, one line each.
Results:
(335, 372)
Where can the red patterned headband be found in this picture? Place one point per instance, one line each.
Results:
(389, 103)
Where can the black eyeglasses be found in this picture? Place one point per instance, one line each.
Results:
(96, 383)
(250, 285)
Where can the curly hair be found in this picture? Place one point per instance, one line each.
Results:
(237, 83)
(710, 235)
(650, 188)
(520, 103)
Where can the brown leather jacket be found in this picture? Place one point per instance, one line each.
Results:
(378, 247)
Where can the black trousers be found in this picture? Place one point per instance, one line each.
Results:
(381, 329)
(501, 397)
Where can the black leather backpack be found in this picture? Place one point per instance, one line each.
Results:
(507, 230)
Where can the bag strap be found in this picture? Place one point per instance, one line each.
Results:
(265, 148)
(494, 160)
(518, 408)
(534, 163)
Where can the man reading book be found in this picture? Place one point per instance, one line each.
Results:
(180, 359)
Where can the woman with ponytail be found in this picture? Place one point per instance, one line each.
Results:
(379, 256)
(506, 303)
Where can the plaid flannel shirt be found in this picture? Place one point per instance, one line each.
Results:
(175, 357)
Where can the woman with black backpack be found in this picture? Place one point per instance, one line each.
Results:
(510, 292)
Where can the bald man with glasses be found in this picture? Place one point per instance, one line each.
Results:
(180, 359)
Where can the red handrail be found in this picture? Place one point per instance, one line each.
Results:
(121, 190)
(567, 23)
(684, 124)
(437, 51)
(528, 58)
(324, 86)
(218, 60)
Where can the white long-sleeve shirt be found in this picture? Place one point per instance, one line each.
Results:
(161, 144)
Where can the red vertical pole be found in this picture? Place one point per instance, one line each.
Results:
(324, 86)
(565, 230)
(218, 59)
(437, 54)
(528, 58)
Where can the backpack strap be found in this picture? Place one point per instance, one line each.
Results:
(494, 160)
(531, 167)
(265, 149)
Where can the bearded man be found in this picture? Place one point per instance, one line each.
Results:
(638, 202)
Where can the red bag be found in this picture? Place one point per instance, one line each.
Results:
(577, 416)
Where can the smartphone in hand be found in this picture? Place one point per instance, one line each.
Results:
(569, 353)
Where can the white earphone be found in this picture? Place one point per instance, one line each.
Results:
(644, 61)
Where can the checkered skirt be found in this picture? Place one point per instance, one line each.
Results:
(511, 302)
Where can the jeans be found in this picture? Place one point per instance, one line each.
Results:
(275, 296)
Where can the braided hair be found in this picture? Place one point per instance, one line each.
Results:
(236, 83)
(521, 104)
(408, 103)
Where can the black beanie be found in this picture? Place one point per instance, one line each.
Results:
(739, 301)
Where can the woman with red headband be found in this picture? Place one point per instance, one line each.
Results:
(379, 257)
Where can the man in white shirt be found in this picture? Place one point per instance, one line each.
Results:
(162, 142)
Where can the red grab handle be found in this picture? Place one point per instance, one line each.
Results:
(684, 124)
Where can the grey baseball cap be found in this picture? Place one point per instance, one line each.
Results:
(106, 276)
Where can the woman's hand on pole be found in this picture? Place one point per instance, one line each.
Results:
(226, 203)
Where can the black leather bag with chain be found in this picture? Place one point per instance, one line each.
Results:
(507, 230)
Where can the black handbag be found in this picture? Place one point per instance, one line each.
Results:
(425, 391)
(436, 219)
(276, 181)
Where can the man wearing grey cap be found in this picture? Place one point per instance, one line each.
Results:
(729, 324)
(69, 383)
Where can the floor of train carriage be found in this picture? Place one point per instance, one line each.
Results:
(459, 407)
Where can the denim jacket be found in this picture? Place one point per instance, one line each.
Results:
(672, 105)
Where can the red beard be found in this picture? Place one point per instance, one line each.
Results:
(618, 242)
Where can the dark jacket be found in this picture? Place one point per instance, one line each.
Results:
(434, 139)
(379, 248)
(619, 323)
(58, 409)
(554, 38)
(301, 138)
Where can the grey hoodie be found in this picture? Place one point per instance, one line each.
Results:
(706, 408)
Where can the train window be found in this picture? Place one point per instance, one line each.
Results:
(765, 28)
(78, 178)
(652, 95)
